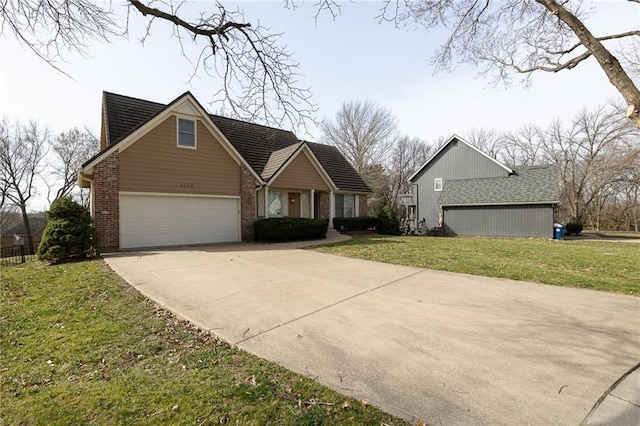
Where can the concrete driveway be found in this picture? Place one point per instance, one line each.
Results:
(442, 347)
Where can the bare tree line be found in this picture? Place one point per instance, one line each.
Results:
(32, 158)
(598, 154)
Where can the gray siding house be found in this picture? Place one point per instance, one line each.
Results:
(475, 194)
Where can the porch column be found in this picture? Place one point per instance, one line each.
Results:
(266, 202)
(311, 203)
(331, 208)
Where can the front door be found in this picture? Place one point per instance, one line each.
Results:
(294, 204)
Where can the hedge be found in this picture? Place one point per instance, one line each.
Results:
(354, 223)
(289, 229)
(573, 227)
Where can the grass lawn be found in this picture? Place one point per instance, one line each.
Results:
(615, 234)
(78, 346)
(595, 265)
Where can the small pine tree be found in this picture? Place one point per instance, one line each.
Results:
(388, 221)
(69, 233)
(574, 227)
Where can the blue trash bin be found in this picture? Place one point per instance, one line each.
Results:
(558, 231)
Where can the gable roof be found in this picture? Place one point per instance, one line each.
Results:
(451, 140)
(263, 148)
(338, 168)
(254, 142)
(124, 114)
(527, 185)
(37, 222)
(277, 160)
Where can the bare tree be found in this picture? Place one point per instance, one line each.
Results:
(486, 140)
(592, 153)
(259, 76)
(364, 132)
(628, 196)
(521, 36)
(408, 155)
(630, 57)
(22, 149)
(523, 147)
(71, 149)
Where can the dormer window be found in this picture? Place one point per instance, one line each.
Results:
(437, 184)
(186, 133)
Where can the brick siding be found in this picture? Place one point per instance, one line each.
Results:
(323, 210)
(247, 203)
(363, 207)
(106, 202)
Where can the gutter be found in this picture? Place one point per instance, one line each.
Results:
(516, 203)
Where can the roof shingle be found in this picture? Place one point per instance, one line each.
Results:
(528, 184)
(264, 148)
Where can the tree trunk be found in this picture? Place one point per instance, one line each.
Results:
(611, 66)
(27, 226)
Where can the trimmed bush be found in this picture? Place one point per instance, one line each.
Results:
(574, 227)
(69, 233)
(355, 223)
(290, 229)
(388, 221)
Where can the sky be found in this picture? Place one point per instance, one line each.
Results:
(350, 58)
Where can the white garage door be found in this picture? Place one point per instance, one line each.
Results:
(162, 220)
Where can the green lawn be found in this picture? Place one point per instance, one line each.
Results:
(597, 265)
(80, 347)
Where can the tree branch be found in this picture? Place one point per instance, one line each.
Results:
(605, 38)
(258, 77)
(609, 63)
(557, 67)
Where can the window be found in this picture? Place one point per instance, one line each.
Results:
(344, 205)
(437, 184)
(275, 204)
(186, 133)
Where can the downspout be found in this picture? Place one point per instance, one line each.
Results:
(258, 188)
(82, 177)
(417, 203)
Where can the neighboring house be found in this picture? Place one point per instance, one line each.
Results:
(37, 222)
(174, 174)
(477, 195)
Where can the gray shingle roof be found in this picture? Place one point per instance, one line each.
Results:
(253, 141)
(124, 114)
(341, 172)
(262, 147)
(528, 185)
(37, 222)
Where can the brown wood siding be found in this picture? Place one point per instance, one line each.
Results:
(155, 164)
(300, 174)
(103, 134)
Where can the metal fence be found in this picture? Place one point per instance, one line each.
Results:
(15, 255)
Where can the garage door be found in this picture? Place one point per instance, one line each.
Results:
(161, 220)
